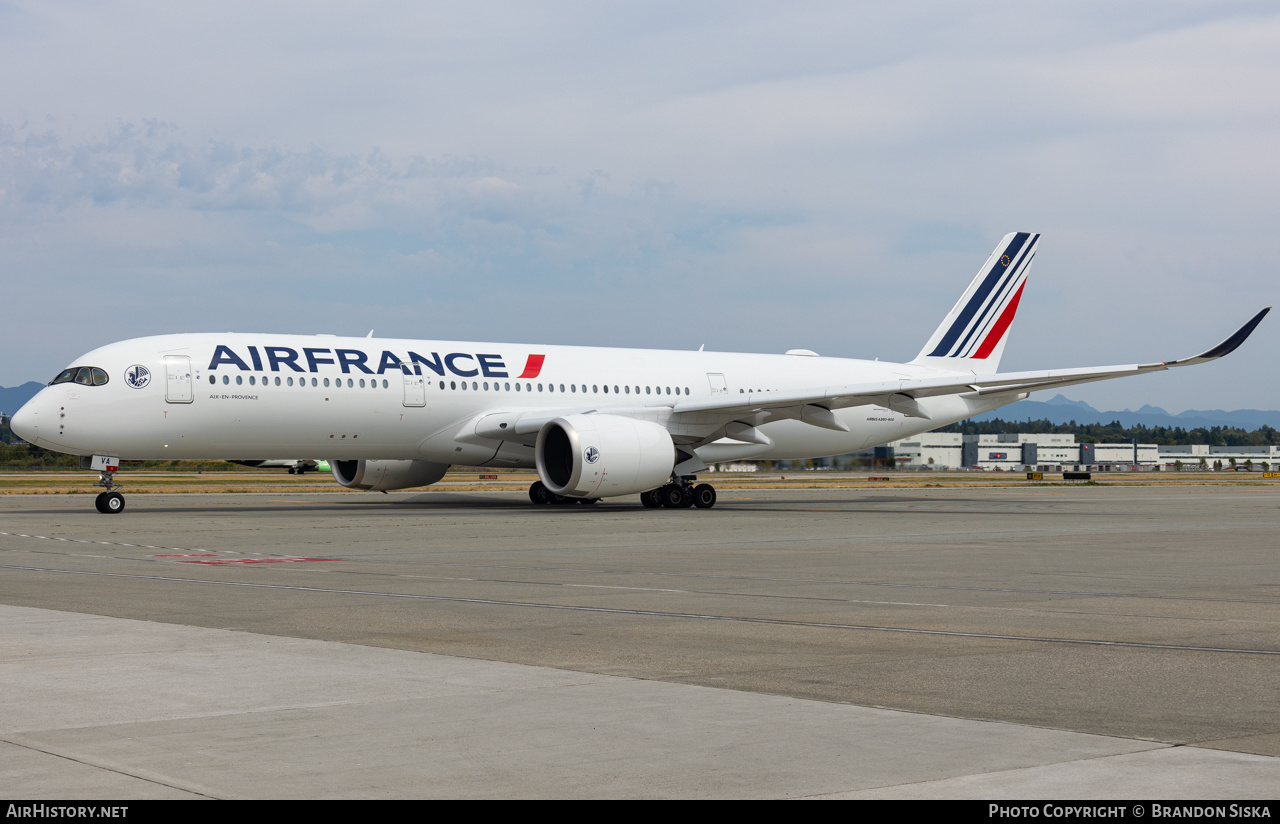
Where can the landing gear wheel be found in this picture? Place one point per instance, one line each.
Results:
(539, 494)
(110, 503)
(673, 497)
(588, 501)
(561, 500)
(651, 499)
(98, 503)
(704, 496)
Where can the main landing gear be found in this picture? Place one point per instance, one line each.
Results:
(676, 495)
(680, 495)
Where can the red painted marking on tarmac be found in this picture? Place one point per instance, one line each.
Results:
(224, 561)
(187, 555)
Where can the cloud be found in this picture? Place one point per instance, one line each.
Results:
(753, 177)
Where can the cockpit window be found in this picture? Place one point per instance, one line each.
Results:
(83, 375)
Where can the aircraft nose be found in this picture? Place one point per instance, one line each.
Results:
(25, 423)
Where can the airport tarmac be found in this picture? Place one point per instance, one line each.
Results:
(1046, 641)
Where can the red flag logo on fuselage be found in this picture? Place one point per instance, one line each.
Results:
(533, 366)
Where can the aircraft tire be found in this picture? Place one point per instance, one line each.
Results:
(98, 503)
(651, 499)
(673, 497)
(539, 494)
(588, 501)
(704, 496)
(112, 503)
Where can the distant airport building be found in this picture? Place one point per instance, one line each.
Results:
(1018, 450)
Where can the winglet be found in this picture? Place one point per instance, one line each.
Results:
(1227, 346)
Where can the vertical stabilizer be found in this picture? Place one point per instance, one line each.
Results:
(972, 336)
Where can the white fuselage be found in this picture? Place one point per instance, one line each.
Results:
(249, 396)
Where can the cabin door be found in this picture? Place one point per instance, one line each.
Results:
(177, 386)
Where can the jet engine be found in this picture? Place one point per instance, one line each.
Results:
(384, 476)
(594, 456)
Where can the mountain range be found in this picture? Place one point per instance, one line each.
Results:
(12, 399)
(1058, 409)
(1061, 409)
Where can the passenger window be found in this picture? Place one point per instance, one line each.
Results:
(539, 387)
(288, 381)
(486, 386)
(212, 379)
(251, 380)
(350, 383)
(326, 382)
(385, 384)
(453, 384)
(475, 385)
(595, 389)
(628, 390)
(517, 386)
(225, 380)
(648, 390)
(442, 384)
(313, 381)
(362, 383)
(507, 386)
(573, 387)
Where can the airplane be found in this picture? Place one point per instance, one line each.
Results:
(295, 467)
(393, 414)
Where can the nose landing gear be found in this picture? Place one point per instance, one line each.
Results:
(110, 501)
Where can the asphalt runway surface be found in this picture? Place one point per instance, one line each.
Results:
(1143, 614)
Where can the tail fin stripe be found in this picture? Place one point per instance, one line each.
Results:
(992, 308)
(988, 283)
(997, 331)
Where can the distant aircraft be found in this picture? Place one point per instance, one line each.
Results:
(594, 422)
(297, 467)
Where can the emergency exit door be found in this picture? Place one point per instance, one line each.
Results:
(718, 385)
(177, 372)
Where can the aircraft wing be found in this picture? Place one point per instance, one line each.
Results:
(814, 405)
(692, 420)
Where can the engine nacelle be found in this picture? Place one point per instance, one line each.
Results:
(595, 456)
(384, 476)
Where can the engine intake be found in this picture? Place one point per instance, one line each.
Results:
(384, 476)
(595, 456)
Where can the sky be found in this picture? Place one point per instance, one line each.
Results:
(741, 175)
